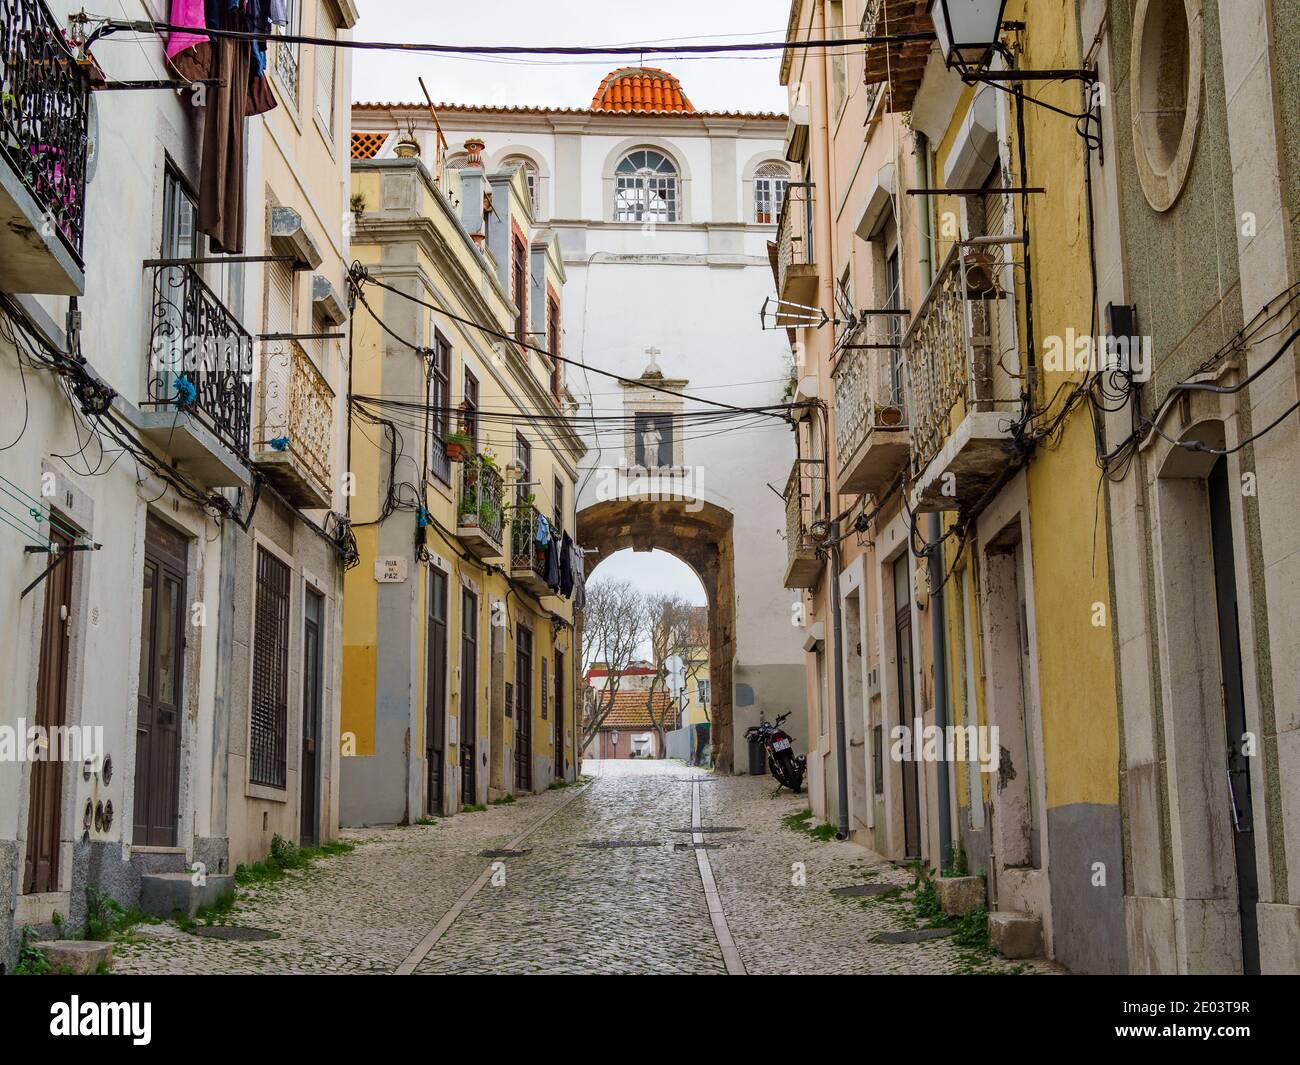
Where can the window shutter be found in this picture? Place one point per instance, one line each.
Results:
(279, 298)
(326, 61)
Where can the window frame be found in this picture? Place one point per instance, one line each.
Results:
(633, 188)
(438, 398)
(326, 21)
(770, 187)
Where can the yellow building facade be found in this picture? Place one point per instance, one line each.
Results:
(460, 656)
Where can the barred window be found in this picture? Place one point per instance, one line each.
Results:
(769, 192)
(645, 188)
(269, 713)
(530, 175)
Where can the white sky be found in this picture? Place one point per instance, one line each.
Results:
(652, 571)
(713, 84)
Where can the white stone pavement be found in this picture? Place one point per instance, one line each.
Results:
(424, 899)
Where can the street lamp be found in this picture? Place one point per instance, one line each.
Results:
(967, 29)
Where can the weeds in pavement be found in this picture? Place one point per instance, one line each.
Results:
(31, 959)
(286, 855)
(802, 822)
(505, 800)
(473, 808)
(425, 821)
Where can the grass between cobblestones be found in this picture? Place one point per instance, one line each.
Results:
(802, 822)
(286, 855)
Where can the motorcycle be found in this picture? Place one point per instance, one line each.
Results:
(785, 767)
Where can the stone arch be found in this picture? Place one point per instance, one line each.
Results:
(750, 174)
(675, 155)
(511, 152)
(701, 535)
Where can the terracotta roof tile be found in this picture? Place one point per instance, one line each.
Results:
(630, 711)
(450, 107)
(641, 89)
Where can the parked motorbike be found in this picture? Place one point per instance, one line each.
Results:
(781, 760)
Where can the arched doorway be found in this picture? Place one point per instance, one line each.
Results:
(700, 534)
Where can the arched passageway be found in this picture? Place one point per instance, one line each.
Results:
(700, 534)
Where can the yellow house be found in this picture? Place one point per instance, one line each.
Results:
(459, 648)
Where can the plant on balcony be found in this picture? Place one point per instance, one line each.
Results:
(457, 445)
(888, 415)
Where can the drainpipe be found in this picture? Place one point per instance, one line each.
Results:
(938, 629)
(841, 753)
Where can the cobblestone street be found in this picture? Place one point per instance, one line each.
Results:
(603, 878)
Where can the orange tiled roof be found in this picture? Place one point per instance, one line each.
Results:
(630, 710)
(640, 89)
(367, 145)
(445, 107)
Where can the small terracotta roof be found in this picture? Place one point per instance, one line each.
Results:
(640, 89)
(367, 145)
(631, 712)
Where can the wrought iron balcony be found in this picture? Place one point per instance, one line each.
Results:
(872, 439)
(479, 508)
(964, 376)
(293, 441)
(200, 382)
(803, 567)
(286, 68)
(527, 556)
(796, 262)
(44, 98)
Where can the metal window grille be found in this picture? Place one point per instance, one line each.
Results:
(270, 704)
(645, 189)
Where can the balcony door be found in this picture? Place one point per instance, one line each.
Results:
(907, 705)
(557, 708)
(162, 686)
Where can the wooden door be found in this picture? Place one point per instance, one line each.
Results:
(469, 697)
(41, 868)
(313, 680)
(158, 716)
(523, 709)
(557, 708)
(435, 693)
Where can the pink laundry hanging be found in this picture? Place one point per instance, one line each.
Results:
(183, 51)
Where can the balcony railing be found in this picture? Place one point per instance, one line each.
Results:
(201, 358)
(527, 556)
(963, 362)
(871, 430)
(286, 68)
(802, 565)
(295, 425)
(479, 509)
(898, 65)
(796, 261)
(43, 107)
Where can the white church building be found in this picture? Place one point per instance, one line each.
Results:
(664, 214)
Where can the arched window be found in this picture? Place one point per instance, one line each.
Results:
(530, 175)
(769, 192)
(457, 161)
(645, 188)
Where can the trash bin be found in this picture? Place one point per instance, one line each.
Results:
(757, 763)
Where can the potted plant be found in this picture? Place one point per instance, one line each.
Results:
(888, 416)
(457, 445)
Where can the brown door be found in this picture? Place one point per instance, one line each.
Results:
(469, 698)
(435, 694)
(41, 869)
(558, 710)
(162, 649)
(312, 682)
(906, 705)
(523, 709)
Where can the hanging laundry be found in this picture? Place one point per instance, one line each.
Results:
(543, 531)
(189, 54)
(579, 579)
(280, 12)
(553, 564)
(566, 566)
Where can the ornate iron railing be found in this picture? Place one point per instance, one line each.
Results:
(870, 385)
(525, 551)
(44, 96)
(794, 231)
(481, 497)
(798, 511)
(296, 410)
(945, 366)
(439, 460)
(200, 357)
(286, 68)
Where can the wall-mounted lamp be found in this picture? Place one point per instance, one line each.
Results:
(967, 29)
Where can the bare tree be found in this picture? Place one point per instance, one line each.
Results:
(614, 623)
(668, 618)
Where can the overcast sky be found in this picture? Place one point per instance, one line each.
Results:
(713, 84)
